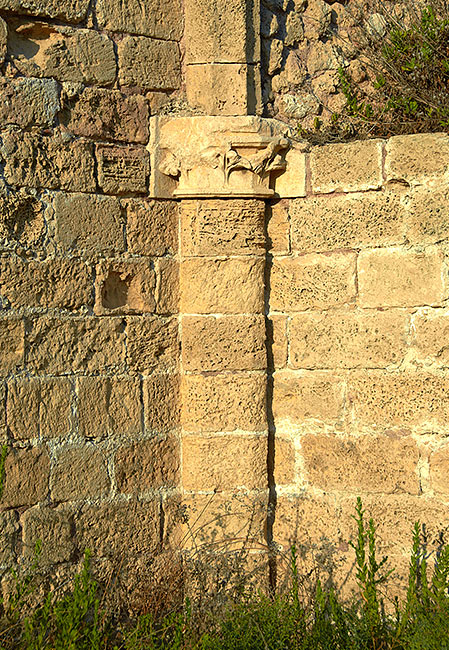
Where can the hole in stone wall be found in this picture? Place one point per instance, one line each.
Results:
(115, 290)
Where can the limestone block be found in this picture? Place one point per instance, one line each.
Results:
(212, 403)
(148, 63)
(122, 169)
(223, 343)
(125, 287)
(222, 227)
(53, 528)
(277, 339)
(416, 158)
(306, 396)
(54, 162)
(79, 473)
(9, 533)
(3, 40)
(242, 462)
(406, 400)
(313, 281)
(292, 182)
(380, 464)
(152, 226)
(317, 18)
(439, 470)
(147, 465)
(399, 277)
(27, 472)
(35, 50)
(428, 215)
(168, 292)
(347, 339)
(284, 462)
(347, 167)
(161, 403)
(12, 341)
(222, 31)
(354, 221)
(69, 345)
(153, 344)
(430, 331)
(159, 18)
(278, 228)
(104, 114)
(323, 57)
(73, 11)
(21, 220)
(28, 102)
(224, 88)
(222, 286)
(88, 222)
(39, 407)
(308, 522)
(109, 407)
(54, 283)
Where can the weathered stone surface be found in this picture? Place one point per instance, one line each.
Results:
(400, 278)
(223, 343)
(313, 282)
(222, 227)
(9, 533)
(277, 341)
(54, 162)
(316, 19)
(278, 228)
(222, 286)
(159, 18)
(39, 407)
(347, 339)
(147, 465)
(323, 57)
(79, 473)
(53, 528)
(306, 396)
(430, 331)
(21, 220)
(213, 403)
(347, 167)
(439, 470)
(12, 335)
(2, 410)
(75, 345)
(161, 401)
(104, 114)
(26, 477)
(428, 215)
(125, 287)
(109, 407)
(35, 50)
(54, 283)
(381, 464)
(148, 63)
(242, 462)
(72, 11)
(89, 222)
(308, 522)
(122, 169)
(168, 292)
(153, 344)
(284, 462)
(152, 226)
(3, 40)
(28, 102)
(415, 158)
(354, 221)
(292, 182)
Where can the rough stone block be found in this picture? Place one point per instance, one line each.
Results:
(292, 182)
(12, 341)
(415, 158)
(26, 477)
(53, 162)
(28, 102)
(152, 226)
(168, 294)
(3, 40)
(277, 339)
(213, 403)
(73, 345)
(278, 228)
(161, 403)
(439, 470)
(79, 473)
(223, 343)
(347, 167)
(347, 339)
(159, 18)
(242, 462)
(22, 223)
(9, 533)
(153, 344)
(149, 64)
(222, 227)
(122, 169)
(380, 464)
(308, 522)
(35, 50)
(103, 114)
(313, 281)
(53, 528)
(147, 465)
(89, 222)
(222, 286)
(109, 407)
(325, 223)
(429, 335)
(284, 462)
(428, 215)
(399, 277)
(73, 11)
(66, 284)
(125, 287)
(308, 396)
